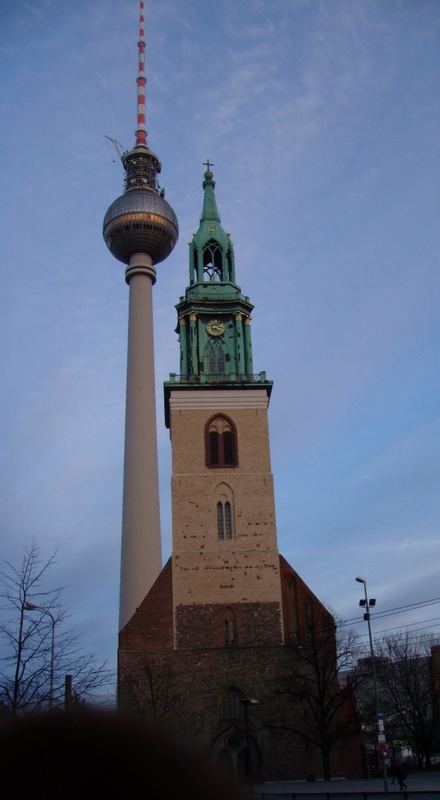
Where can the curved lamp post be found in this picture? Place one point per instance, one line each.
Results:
(33, 607)
(368, 603)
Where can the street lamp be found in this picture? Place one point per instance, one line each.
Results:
(367, 604)
(246, 702)
(33, 607)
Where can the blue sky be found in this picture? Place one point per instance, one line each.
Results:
(323, 122)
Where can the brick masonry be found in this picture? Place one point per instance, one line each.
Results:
(244, 568)
(200, 672)
(203, 626)
(152, 624)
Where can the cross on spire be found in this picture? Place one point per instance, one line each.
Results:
(207, 164)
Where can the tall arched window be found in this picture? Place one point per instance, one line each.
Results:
(221, 443)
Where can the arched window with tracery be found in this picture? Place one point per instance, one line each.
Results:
(212, 261)
(214, 356)
(221, 443)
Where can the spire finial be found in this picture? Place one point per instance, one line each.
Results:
(208, 175)
(209, 211)
(141, 131)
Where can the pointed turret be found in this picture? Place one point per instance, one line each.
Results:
(211, 249)
(209, 211)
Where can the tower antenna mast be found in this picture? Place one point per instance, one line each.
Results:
(141, 130)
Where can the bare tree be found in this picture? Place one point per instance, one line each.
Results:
(151, 690)
(409, 675)
(321, 707)
(37, 649)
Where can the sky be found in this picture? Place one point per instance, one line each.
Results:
(322, 118)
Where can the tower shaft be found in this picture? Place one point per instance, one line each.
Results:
(141, 549)
(226, 580)
(140, 229)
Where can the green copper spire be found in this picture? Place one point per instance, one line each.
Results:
(211, 251)
(214, 318)
(209, 212)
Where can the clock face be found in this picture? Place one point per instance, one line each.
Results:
(215, 327)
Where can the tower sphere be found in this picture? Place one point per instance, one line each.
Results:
(140, 221)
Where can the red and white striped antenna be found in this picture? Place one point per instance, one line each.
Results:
(141, 131)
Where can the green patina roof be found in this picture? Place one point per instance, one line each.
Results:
(209, 211)
(210, 227)
(211, 359)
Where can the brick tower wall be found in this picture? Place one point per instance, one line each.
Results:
(240, 574)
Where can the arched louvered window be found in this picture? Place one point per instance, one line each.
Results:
(221, 443)
(212, 261)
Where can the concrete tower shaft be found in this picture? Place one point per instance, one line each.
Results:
(140, 229)
(141, 559)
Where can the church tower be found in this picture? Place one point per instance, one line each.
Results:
(225, 563)
(216, 645)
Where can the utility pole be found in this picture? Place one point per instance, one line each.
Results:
(381, 740)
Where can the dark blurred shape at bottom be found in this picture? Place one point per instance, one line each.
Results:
(87, 750)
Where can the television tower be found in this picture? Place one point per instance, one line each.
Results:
(140, 229)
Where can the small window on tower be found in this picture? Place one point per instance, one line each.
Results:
(230, 635)
(221, 443)
(232, 707)
(228, 520)
(220, 521)
(223, 512)
(225, 527)
(214, 356)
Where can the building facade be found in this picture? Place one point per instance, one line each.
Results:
(213, 648)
